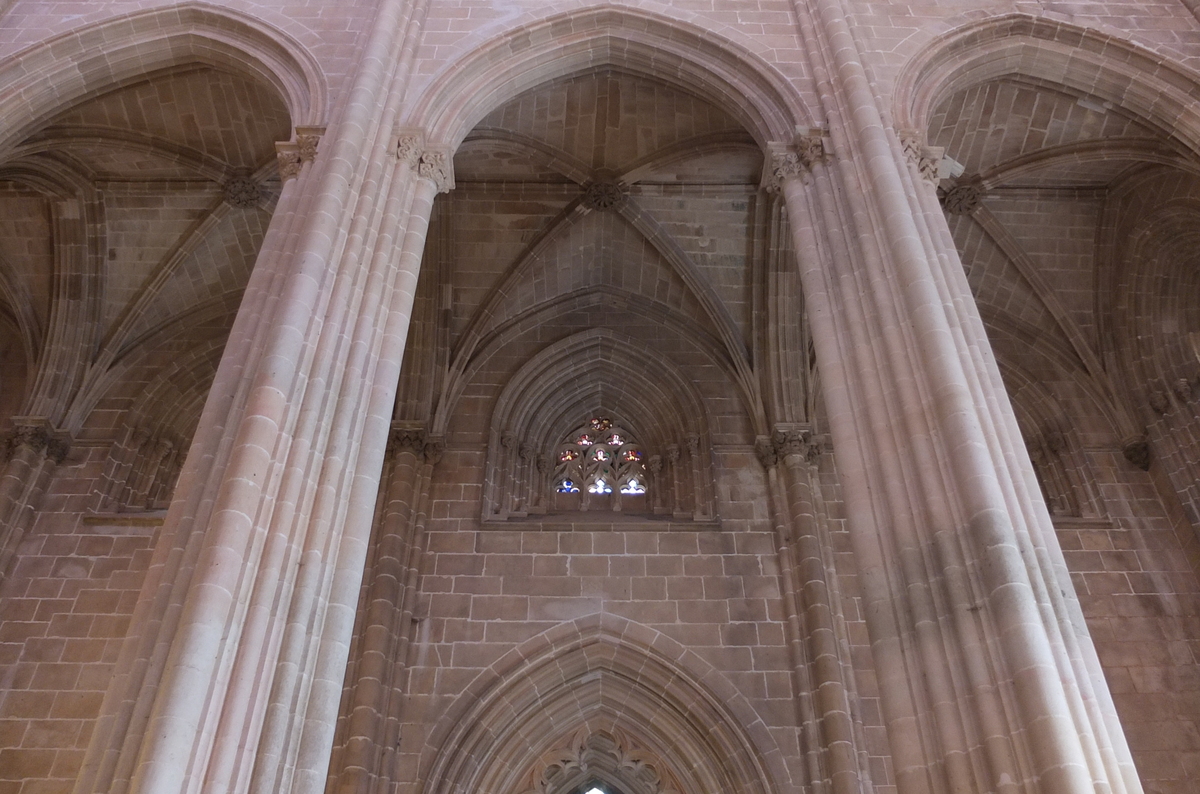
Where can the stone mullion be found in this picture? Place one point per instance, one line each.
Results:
(1094, 714)
(699, 490)
(802, 696)
(380, 629)
(824, 657)
(901, 617)
(180, 726)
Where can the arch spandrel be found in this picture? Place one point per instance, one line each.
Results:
(599, 680)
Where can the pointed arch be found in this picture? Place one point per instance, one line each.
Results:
(602, 673)
(639, 42)
(39, 82)
(1084, 62)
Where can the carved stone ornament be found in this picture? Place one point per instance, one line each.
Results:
(1183, 389)
(789, 441)
(242, 192)
(434, 449)
(764, 449)
(605, 195)
(1137, 452)
(36, 435)
(1159, 401)
(602, 755)
(408, 148)
(406, 438)
(811, 150)
(784, 165)
(287, 157)
(962, 198)
(927, 159)
(307, 141)
(438, 166)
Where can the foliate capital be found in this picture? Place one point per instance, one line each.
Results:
(307, 140)
(786, 162)
(926, 159)
(764, 449)
(792, 440)
(1137, 451)
(38, 435)
(409, 144)
(437, 165)
(287, 157)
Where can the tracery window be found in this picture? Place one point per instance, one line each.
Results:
(600, 458)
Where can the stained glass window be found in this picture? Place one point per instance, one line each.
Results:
(600, 458)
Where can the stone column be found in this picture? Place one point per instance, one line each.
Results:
(386, 628)
(795, 449)
(955, 550)
(255, 583)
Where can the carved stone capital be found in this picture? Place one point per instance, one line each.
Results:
(409, 145)
(242, 192)
(287, 158)
(36, 434)
(603, 196)
(795, 441)
(508, 440)
(672, 453)
(307, 141)
(784, 162)
(810, 149)
(927, 159)
(656, 463)
(692, 442)
(406, 437)
(437, 165)
(963, 197)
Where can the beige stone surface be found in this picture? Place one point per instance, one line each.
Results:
(300, 302)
